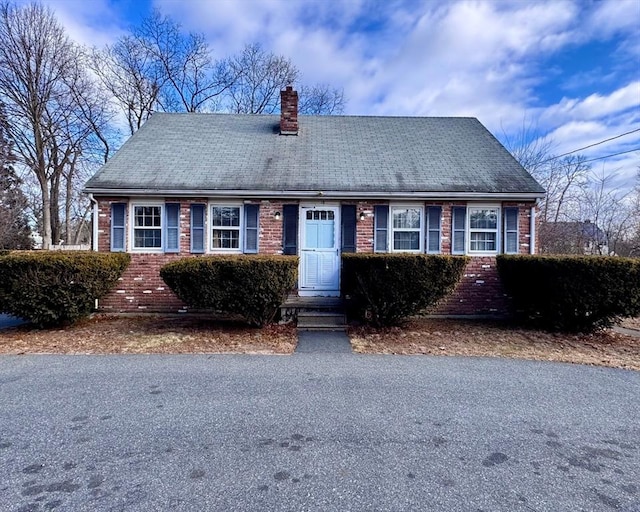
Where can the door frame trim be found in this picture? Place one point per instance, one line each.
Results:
(319, 205)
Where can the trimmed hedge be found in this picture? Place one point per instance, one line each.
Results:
(387, 288)
(251, 286)
(56, 288)
(571, 293)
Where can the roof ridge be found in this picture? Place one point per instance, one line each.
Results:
(308, 116)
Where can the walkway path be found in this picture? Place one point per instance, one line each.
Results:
(323, 342)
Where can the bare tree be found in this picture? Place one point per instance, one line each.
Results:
(158, 67)
(131, 76)
(192, 80)
(261, 75)
(35, 56)
(564, 180)
(530, 148)
(53, 108)
(611, 210)
(320, 99)
(634, 241)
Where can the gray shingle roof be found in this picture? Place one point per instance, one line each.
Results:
(224, 152)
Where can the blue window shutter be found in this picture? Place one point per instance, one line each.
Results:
(511, 230)
(381, 235)
(172, 227)
(458, 225)
(251, 228)
(348, 221)
(197, 228)
(434, 213)
(290, 229)
(118, 221)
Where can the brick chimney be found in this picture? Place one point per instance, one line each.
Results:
(288, 111)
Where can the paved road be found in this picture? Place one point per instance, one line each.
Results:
(316, 432)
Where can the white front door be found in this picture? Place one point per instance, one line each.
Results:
(320, 250)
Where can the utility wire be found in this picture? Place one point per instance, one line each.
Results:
(591, 145)
(609, 156)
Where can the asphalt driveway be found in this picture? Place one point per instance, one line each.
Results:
(317, 432)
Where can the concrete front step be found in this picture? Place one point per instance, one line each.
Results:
(322, 308)
(321, 320)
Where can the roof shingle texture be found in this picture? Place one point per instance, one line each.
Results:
(187, 152)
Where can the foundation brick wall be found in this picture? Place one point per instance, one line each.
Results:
(141, 289)
(479, 292)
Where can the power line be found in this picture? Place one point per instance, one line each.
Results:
(609, 156)
(592, 145)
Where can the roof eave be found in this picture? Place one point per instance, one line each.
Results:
(318, 194)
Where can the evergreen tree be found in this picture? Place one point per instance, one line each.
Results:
(14, 227)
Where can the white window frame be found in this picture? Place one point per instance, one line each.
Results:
(468, 230)
(132, 225)
(392, 230)
(211, 227)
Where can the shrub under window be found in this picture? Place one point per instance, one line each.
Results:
(250, 286)
(386, 288)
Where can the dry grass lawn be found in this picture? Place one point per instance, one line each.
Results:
(197, 335)
(149, 335)
(494, 339)
(631, 323)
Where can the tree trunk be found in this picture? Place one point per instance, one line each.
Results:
(46, 214)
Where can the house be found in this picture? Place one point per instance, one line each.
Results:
(315, 186)
(573, 238)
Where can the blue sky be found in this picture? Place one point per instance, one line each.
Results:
(570, 68)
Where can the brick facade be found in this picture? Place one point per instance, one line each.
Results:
(142, 289)
(479, 292)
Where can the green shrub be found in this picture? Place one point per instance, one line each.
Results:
(55, 288)
(387, 288)
(571, 293)
(250, 286)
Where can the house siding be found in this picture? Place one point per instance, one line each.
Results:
(142, 289)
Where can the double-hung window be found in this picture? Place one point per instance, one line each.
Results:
(147, 227)
(406, 229)
(226, 224)
(483, 229)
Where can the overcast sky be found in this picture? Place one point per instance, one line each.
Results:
(570, 68)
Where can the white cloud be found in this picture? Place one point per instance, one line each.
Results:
(94, 23)
(596, 105)
(612, 16)
(486, 59)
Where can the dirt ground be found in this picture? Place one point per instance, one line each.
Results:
(494, 339)
(186, 335)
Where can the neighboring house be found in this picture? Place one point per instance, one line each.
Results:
(315, 186)
(573, 238)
